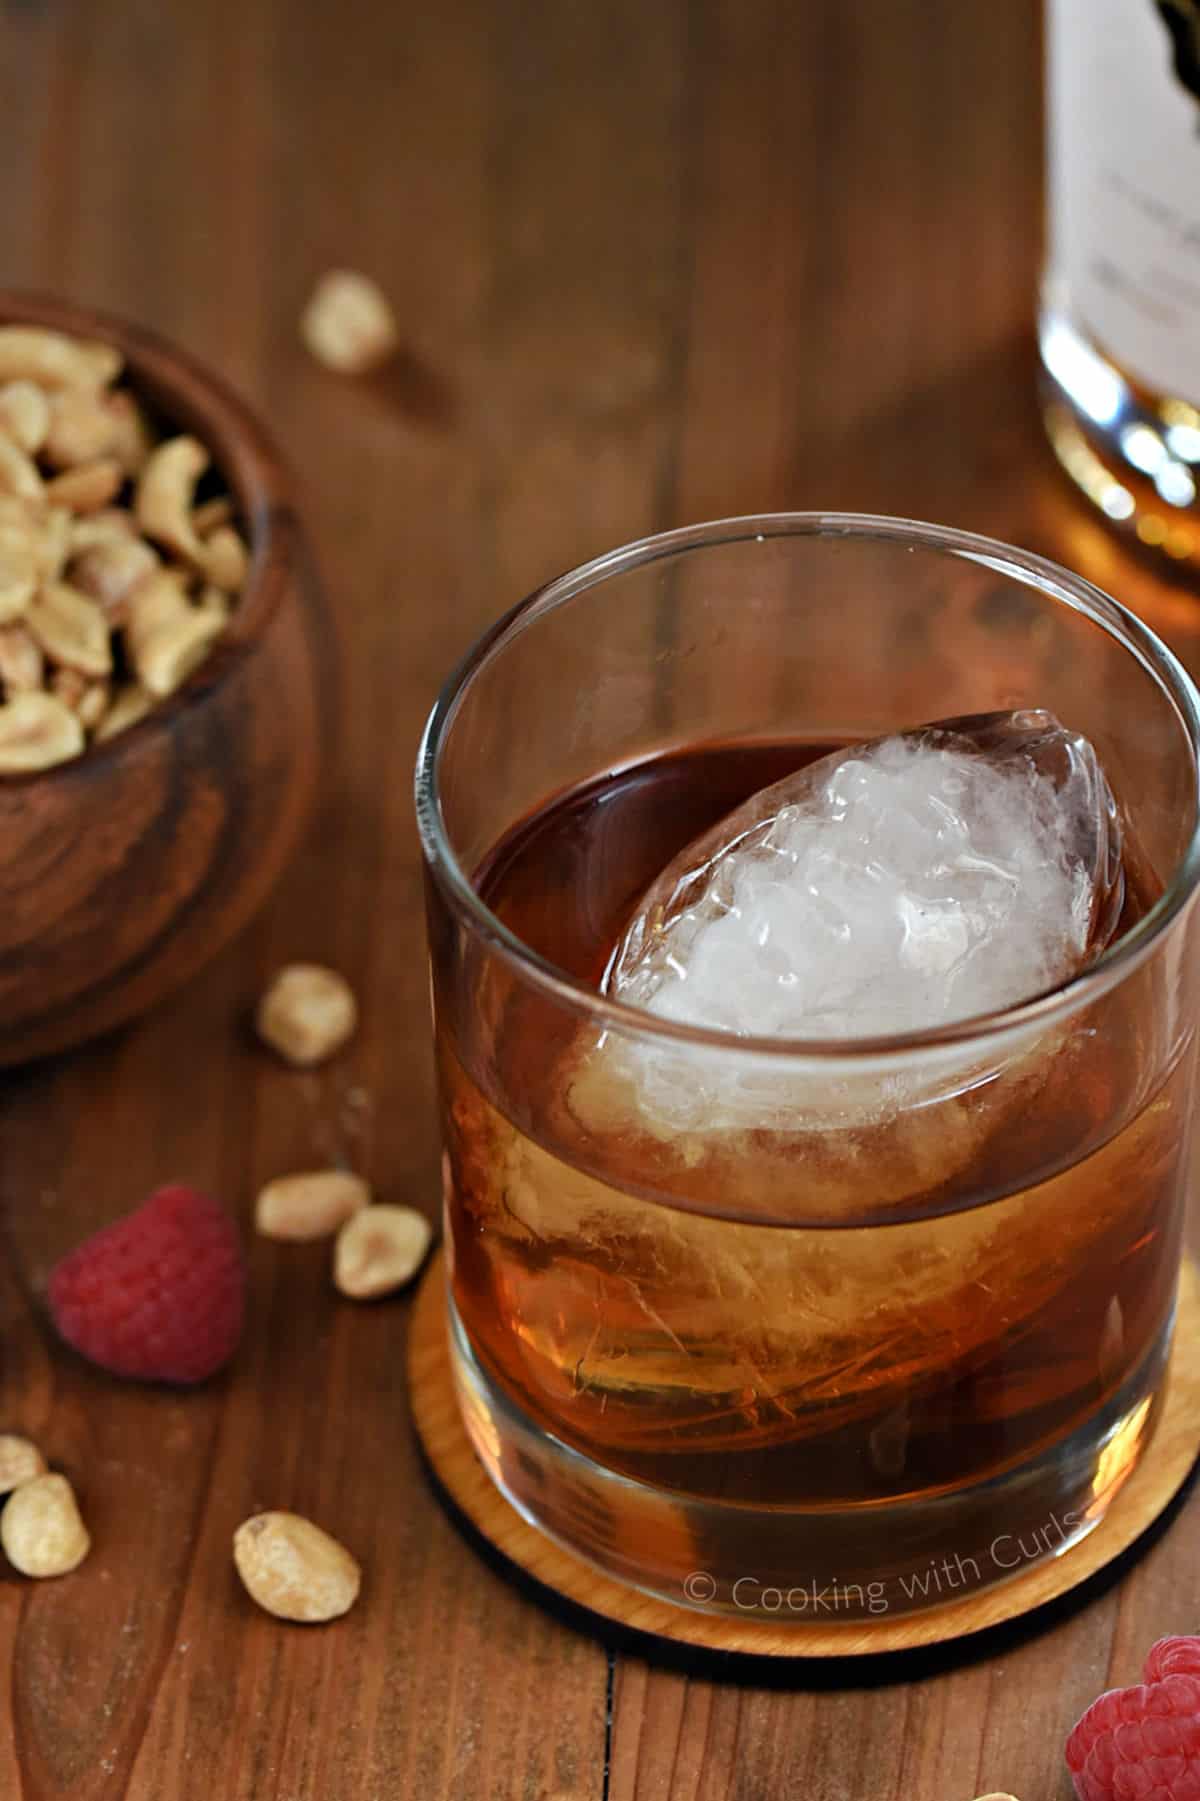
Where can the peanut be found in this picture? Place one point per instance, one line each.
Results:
(111, 525)
(20, 1461)
(225, 559)
(51, 541)
(164, 496)
(93, 705)
(99, 363)
(36, 731)
(307, 1013)
(81, 429)
(22, 666)
(215, 602)
(177, 651)
(18, 580)
(24, 415)
(71, 629)
(18, 471)
(380, 1249)
(131, 704)
(311, 1205)
(210, 514)
(105, 565)
(29, 527)
(293, 1569)
(348, 324)
(68, 686)
(87, 700)
(108, 571)
(19, 521)
(88, 486)
(53, 360)
(132, 440)
(166, 637)
(41, 1530)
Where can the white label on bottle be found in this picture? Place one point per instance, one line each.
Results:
(1124, 181)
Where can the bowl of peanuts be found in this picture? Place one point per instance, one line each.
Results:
(164, 671)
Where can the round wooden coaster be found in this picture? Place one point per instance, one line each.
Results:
(1139, 1502)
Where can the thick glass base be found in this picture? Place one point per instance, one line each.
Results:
(1135, 455)
(824, 1564)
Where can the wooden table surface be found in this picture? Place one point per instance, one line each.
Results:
(653, 261)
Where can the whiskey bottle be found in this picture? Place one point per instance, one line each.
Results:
(1119, 326)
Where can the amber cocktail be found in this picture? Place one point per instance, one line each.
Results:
(830, 1324)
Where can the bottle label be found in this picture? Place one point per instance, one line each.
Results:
(1123, 148)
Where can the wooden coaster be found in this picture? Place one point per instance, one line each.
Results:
(1138, 1503)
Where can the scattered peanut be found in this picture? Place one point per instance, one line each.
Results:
(36, 731)
(311, 1205)
(380, 1249)
(307, 1013)
(20, 1461)
(93, 512)
(293, 1569)
(348, 324)
(41, 1530)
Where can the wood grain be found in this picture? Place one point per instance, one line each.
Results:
(651, 262)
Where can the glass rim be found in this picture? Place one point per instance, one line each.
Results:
(1116, 962)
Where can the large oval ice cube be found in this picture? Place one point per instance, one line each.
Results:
(891, 887)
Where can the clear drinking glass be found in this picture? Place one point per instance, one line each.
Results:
(903, 1333)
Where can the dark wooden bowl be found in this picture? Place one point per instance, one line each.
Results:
(122, 872)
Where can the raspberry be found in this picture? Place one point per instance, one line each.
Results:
(157, 1295)
(1143, 1744)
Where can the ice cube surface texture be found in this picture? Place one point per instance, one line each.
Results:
(894, 886)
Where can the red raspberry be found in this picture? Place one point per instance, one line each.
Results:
(1143, 1744)
(157, 1295)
